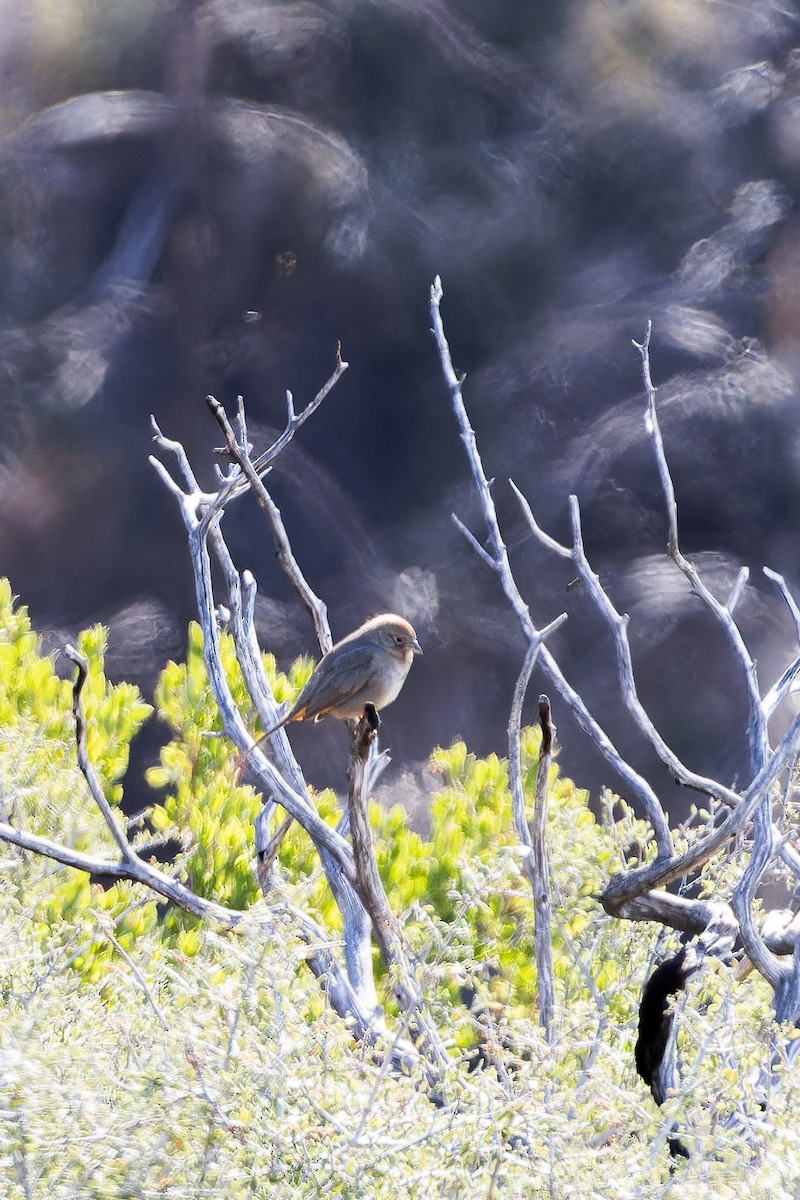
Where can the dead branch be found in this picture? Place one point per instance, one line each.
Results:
(352, 877)
(542, 900)
(241, 591)
(619, 628)
(278, 774)
(497, 559)
(194, 505)
(757, 727)
(252, 475)
(236, 484)
(240, 454)
(388, 934)
(87, 770)
(638, 893)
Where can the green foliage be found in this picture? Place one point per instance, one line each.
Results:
(142, 1054)
(43, 791)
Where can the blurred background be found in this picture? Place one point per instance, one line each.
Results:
(205, 197)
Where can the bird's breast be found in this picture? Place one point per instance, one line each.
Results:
(390, 678)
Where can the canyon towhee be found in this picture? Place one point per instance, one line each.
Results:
(369, 666)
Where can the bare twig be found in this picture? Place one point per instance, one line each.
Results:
(789, 599)
(241, 456)
(235, 484)
(542, 900)
(514, 732)
(745, 891)
(619, 628)
(105, 924)
(782, 687)
(240, 451)
(758, 734)
(275, 767)
(87, 770)
(534, 861)
(241, 592)
(515, 762)
(787, 680)
(294, 422)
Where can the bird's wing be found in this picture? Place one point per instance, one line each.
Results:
(336, 679)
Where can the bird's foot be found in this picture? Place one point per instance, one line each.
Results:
(371, 718)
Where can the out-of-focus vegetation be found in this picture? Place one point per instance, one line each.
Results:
(143, 1054)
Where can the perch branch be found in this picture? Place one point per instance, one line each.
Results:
(356, 927)
(385, 925)
(192, 503)
(274, 766)
(355, 920)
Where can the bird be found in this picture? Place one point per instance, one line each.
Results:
(369, 666)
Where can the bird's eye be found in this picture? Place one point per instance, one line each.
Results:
(399, 638)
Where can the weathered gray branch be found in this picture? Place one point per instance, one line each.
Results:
(744, 894)
(385, 925)
(240, 453)
(785, 684)
(193, 504)
(757, 726)
(543, 904)
(760, 748)
(241, 593)
(498, 560)
(637, 894)
(618, 624)
(625, 886)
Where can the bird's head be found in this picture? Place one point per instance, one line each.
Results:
(395, 634)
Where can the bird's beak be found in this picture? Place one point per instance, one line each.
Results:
(414, 646)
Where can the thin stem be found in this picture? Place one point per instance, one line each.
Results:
(543, 904)
(87, 770)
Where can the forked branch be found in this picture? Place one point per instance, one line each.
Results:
(638, 893)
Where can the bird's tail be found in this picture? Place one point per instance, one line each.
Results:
(288, 715)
